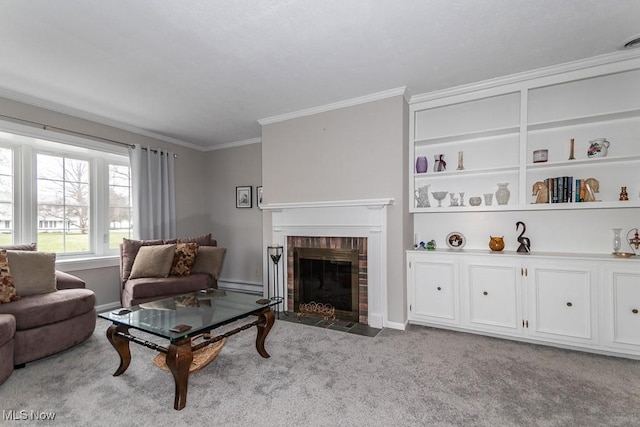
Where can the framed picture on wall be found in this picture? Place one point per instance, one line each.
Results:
(244, 196)
(259, 196)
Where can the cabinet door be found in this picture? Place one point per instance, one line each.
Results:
(433, 291)
(492, 295)
(622, 307)
(562, 304)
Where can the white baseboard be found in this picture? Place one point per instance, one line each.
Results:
(252, 288)
(106, 307)
(396, 325)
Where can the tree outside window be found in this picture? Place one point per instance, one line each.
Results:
(63, 200)
(120, 201)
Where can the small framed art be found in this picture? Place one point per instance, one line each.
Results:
(456, 240)
(244, 196)
(259, 196)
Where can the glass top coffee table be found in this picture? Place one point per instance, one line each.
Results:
(186, 321)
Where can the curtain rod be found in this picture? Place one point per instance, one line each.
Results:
(73, 132)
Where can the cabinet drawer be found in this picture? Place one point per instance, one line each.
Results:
(562, 303)
(626, 309)
(492, 295)
(434, 292)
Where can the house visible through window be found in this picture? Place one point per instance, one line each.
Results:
(72, 198)
(63, 204)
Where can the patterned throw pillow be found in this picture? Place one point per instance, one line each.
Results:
(7, 290)
(184, 258)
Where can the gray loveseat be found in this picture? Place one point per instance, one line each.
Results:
(160, 282)
(36, 326)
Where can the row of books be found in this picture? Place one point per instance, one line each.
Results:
(564, 189)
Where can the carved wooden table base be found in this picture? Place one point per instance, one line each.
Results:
(180, 352)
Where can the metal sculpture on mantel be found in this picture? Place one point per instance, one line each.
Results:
(525, 243)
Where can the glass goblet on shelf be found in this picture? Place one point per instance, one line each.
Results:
(439, 196)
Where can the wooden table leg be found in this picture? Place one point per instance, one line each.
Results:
(179, 358)
(266, 319)
(121, 345)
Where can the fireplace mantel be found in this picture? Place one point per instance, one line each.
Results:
(344, 218)
(369, 203)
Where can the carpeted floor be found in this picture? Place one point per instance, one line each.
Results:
(323, 377)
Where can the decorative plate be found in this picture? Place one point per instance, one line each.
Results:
(456, 240)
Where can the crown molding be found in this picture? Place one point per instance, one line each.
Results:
(234, 144)
(606, 59)
(337, 105)
(57, 108)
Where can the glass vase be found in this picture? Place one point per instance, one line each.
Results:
(617, 240)
(503, 193)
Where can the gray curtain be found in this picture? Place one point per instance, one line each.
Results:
(153, 188)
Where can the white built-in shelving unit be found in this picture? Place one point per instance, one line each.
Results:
(499, 127)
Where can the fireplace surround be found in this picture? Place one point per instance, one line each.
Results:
(346, 218)
(330, 271)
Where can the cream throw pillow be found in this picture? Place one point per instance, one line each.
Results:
(33, 272)
(209, 260)
(153, 261)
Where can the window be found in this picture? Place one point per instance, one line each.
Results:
(120, 204)
(71, 197)
(6, 196)
(63, 204)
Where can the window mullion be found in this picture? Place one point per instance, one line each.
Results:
(100, 202)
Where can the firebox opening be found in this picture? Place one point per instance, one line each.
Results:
(327, 276)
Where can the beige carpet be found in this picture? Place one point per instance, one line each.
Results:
(321, 377)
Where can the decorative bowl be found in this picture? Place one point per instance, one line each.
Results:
(475, 201)
(439, 196)
(624, 254)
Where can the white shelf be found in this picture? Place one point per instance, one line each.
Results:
(467, 172)
(468, 137)
(597, 161)
(530, 207)
(576, 121)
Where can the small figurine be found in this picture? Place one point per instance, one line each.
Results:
(623, 194)
(541, 191)
(496, 243)
(423, 245)
(525, 243)
(431, 245)
(592, 186)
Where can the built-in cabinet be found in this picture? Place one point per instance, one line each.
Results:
(434, 290)
(517, 132)
(621, 307)
(489, 135)
(588, 302)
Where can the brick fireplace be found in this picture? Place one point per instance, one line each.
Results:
(360, 224)
(343, 260)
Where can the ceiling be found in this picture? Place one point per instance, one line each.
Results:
(203, 72)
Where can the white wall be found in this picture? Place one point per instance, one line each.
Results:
(238, 230)
(356, 152)
(191, 218)
(579, 231)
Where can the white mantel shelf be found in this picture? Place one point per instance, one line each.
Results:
(370, 203)
(344, 218)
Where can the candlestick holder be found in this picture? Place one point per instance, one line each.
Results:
(274, 254)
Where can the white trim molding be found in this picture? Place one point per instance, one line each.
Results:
(337, 105)
(345, 218)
